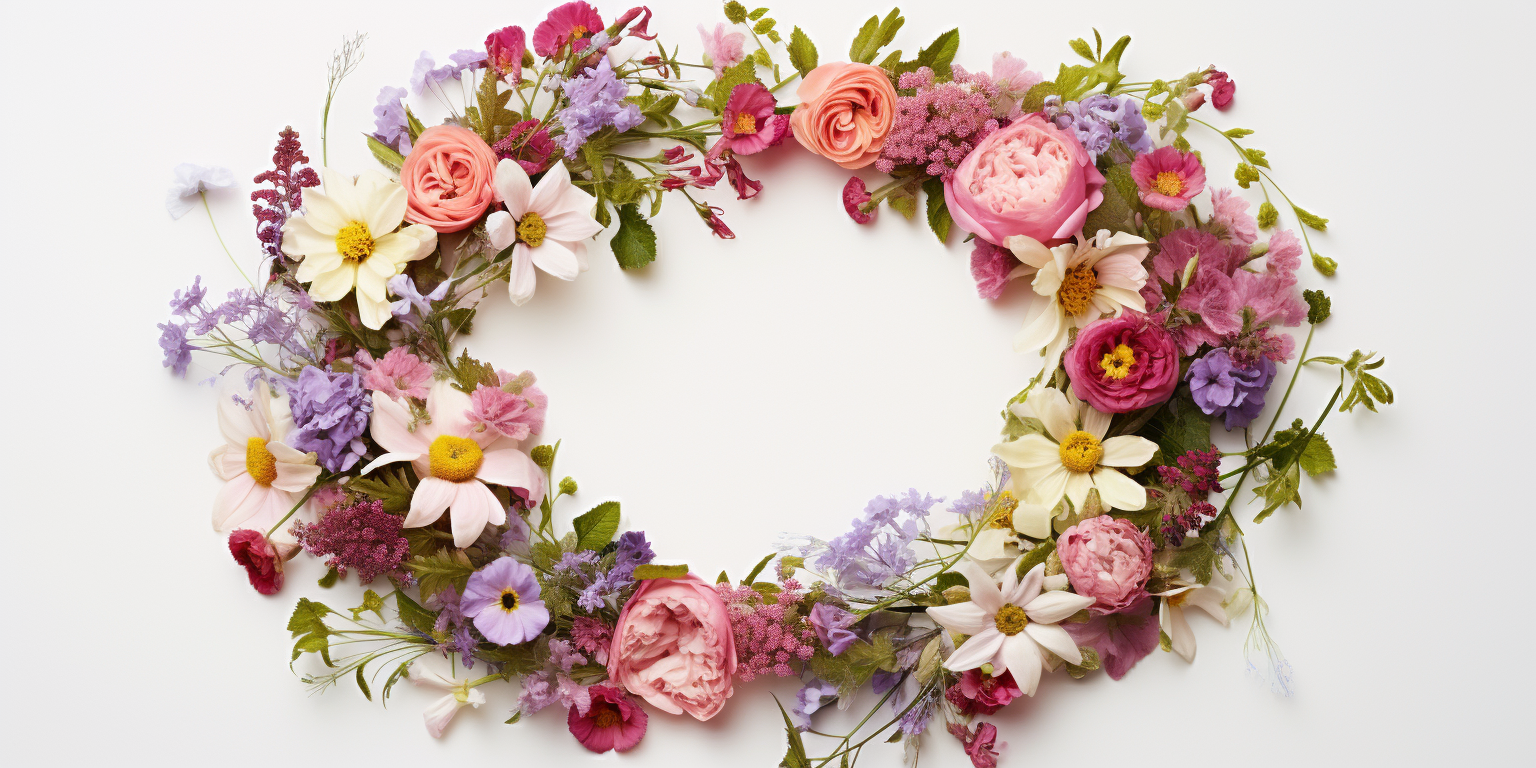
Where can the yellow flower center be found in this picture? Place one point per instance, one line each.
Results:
(1118, 361)
(509, 601)
(1006, 505)
(531, 229)
(607, 715)
(1010, 620)
(1081, 452)
(259, 462)
(454, 459)
(745, 123)
(578, 31)
(1168, 183)
(1077, 287)
(354, 242)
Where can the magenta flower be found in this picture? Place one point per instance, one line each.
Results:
(399, 374)
(977, 693)
(566, 25)
(1122, 364)
(1222, 89)
(991, 267)
(503, 599)
(1121, 639)
(504, 51)
(978, 745)
(612, 721)
(724, 49)
(261, 562)
(855, 194)
(1167, 178)
(748, 124)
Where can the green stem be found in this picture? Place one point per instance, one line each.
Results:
(204, 195)
(301, 503)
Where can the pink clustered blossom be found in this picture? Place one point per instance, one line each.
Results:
(768, 635)
(1215, 307)
(1230, 210)
(592, 637)
(398, 374)
(360, 536)
(978, 744)
(991, 266)
(940, 123)
(1197, 473)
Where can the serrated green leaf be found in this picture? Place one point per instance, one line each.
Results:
(448, 569)
(763, 27)
(391, 486)
(735, 12)
(648, 572)
(1282, 488)
(720, 90)
(634, 244)
(802, 52)
(623, 187)
(1319, 307)
(874, 35)
(1180, 427)
(412, 614)
(757, 13)
(1317, 457)
(938, 212)
(597, 526)
(308, 618)
(1117, 211)
(794, 755)
(939, 55)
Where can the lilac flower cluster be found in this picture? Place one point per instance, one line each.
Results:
(391, 126)
(596, 101)
(330, 415)
(452, 622)
(361, 536)
(599, 587)
(553, 684)
(940, 123)
(289, 177)
(272, 317)
(878, 549)
(1099, 120)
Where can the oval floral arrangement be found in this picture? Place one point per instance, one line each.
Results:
(353, 432)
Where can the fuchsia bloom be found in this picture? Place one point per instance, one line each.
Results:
(1167, 178)
(723, 48)
(1122, 364)
(1222, 89)
(977, 693)
(566, 25)
(1107, 559)
(504, 51)
(856, 194)
(262, 564)
(612, 721)
(529, 145)
(748, 124)
(399, 374)
(978, 745)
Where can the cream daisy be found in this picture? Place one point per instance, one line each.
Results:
(347, 239)
(1010, 625)
(1068, 459)
(1083, 281)
(545, 225)
(454, 462)
(263, 477)
(1215, 598)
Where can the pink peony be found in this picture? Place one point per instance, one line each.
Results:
(724, 49)
(538, 402)
(448, 178)
(1230, 210)
(1122, 364)
(845, 112)
(564, 26)
(1167, 178)
(611, 721)
(748, 123)
(504, 51)
(977, 693)
(673, 647)
(399, 374)
(263, 566)
(1107, 559)
(1027, 179)
(991, 267)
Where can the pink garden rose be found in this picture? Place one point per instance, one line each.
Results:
(448, 178)
(1107, 559)
(1028, 179)
(845, 112)
(673, 647)
(1122, 364)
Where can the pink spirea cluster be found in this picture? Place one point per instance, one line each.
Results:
(940, 123)
(1196, 473)
(769, 634)
(361, 536)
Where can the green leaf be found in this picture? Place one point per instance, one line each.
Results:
(362, 683)
(495, 120)
(904, 200)
(735, 12)
(329, 579)
(757, 14)
(414, 616)
(371, 602)
(761, 564)
(448, 569)
(763, 27)
(308, 618)
(386, 154)
(794, 756)
(1081, 48)
(1317, 457)
(391, 486)
(597, 526)
(623, 187)
(720, 90)
(1256, 156)
(1311, 219)
(1268, 215)
(1282, 488)
(1117, 211)
(1319, 307)
(1236, 133)
(940, 54)
(469, 373)
(874, 35)
(413, 126)
(1245, 174)
(1015, 427)
(1036, 556)
(634, 244)
(802, 52)
(647, 572)
(1180, 427)
(1324, 264)
(938, 212)
(1196, 556)
(400, 672)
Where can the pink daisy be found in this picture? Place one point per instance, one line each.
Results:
(566, 25)
(748, 123)
(1167, 178)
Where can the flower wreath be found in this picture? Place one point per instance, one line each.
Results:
(356, 434)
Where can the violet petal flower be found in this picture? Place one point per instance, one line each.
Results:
(503, 599)
(1222, 388)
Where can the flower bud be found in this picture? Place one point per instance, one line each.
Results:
(544, 456)
(568, 486)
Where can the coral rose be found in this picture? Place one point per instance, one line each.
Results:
(1124, 363)
(673, 647)
(448, 178)
(1107, 559)
(1028, 179)
(845, 112)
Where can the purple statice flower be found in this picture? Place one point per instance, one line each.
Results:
(940, 123)
(184, 302)
(915, 720)
(359, 536)
(633, 550)
(289, 178)
(811, 698)
(1099, 120)
(878, 548)
(832, 625)
(178, 351)
(1223, 388)
(390, 124)
(596, 102)
(503, 599)
(595, 595)
(330, 415)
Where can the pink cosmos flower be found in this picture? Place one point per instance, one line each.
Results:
(492, 408)
(612, 721)
(1231, 211)
(673, 647)
(748, 124)
(1107, 559)
(504, 51)
(1167, 178)
(399, 374)
(263, 566)
(264, 477)
(566, 25)
(454, 462)
(724, 48)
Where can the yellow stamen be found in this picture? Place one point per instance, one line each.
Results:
(354, 242)
(1077, 288)
(578, 31)
(1168, 183)
(1118, 361)
(531, 229)
(1006, 504)
(509, 601)
(454, 459)
(745, 124)
(260, 464)
(1010, 620)
(1081, 452)
(606, 717)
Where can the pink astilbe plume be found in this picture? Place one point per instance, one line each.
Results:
(769, 633)
(940, 123)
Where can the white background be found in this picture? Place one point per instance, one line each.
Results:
(734, 390)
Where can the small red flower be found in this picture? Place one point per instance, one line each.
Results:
(566, 25)
(855, 194)
(260, 560)
(613, 721)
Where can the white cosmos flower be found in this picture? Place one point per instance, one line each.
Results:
(1218, 598)
(1084, 281)
(1010, 624)
(347, 239)
(263, 477)
(545, 224)
(439, 713)
(1071, 458)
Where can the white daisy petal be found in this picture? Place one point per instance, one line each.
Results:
(1117, 491)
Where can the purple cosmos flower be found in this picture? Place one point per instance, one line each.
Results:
(1222, 388)
(330, 413)
(596, 101)
(390, 124)
(503, 599)
(832, 627)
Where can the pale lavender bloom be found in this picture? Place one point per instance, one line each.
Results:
(390, 124)
(503, 599)
(425, 73)
(330, 415)
(563, 656)
(596, 102)
(412, 299)
(183, 302)
(811, 698)
(832, 627)
(573, 561)
(878, 548)
(190, 180)
(1222, 388)
(596, 593)
(915, 720)
(1098, 120)
(465, 59)
(544, 688)
(178, 351)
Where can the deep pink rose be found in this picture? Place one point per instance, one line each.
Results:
(1027, 179)
(977, 693)
(1122, 364)
(612, 721)
(262, 563)
(673, 647)
(1108, 560)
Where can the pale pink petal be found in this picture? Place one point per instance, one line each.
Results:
(555, 258)
(501, 229)
(514, 189)
(472, 507)
(550, 192)
(1029, 587)
(227, 463)
(521, 280)
(430, 500)
(570, 226)
(513, 469)
(236, 502)
(1056, 640)
(984, 591)
(1021, 656)
(390, 427)
(447, 405)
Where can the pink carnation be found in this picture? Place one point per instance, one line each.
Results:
(724, 48)
(538, 402)
(1167, 178)
(263, 566)
(1220, 291)
(1107, 559)
(504, 51)
(496, 409)
(991, 266)
(1230, 210)
(855, 194)
(399, 374)
(611, 721)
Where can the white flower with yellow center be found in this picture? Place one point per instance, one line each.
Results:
(347, 239)
(263, 477)
(1219, 598)
(1069, 459)
(544, 226)
(1083, 281)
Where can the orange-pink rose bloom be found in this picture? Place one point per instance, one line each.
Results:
(673, 647)
(845, 112)
(448, 178)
